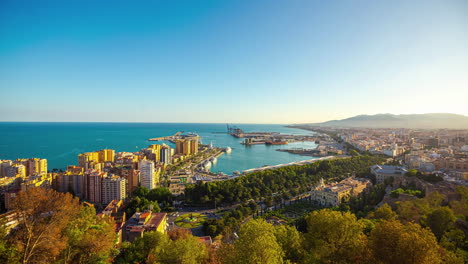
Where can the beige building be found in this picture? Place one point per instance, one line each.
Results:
(72, 181)
(101, 156)
(15, 170)
(106, 155)
(457, 164)
(187, 146)
(35, 166)
(93, 186)
(43, 181)
(332, 194)
(132, 177)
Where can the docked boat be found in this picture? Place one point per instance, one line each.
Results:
(228, 149)
(207, 165)
(214, 160)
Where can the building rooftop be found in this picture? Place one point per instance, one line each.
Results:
(387, 169)
(145, 220)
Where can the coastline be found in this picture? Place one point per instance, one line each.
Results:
(304, 162)
(60, 143)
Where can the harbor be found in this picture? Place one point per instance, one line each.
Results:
(267, 138)
(324, 148)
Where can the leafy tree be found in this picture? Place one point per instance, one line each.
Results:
(440, 220)
(90, 239)
(393, 242)
(43, 215)
(140, 191)
(291, 242)
(408, 211)
(264, 183)
(434, 199)
(185, 251)
(179, 233)
(8, 253)
(335, 237)
(460, 206)
(139, 250)
(256, 244)
(159, 194)
(138, 204)
(411, 173)
(384, 212)
(396, 193)
(453, 239)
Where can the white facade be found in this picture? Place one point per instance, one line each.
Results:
(147, 171)
(165, 154)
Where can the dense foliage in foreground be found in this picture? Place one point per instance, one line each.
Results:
(56, 228)
(331, 237)
(143, 198)
(294, 179)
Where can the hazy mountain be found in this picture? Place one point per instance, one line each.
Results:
(436, 120)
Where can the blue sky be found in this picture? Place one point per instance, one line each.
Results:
(231, 61)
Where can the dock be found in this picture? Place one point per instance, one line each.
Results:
(166, 138)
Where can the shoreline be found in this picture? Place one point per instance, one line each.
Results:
(304, 162)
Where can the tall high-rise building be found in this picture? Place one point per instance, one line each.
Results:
(184, 147)
(179, 146)
(106, 155)
(113, 188)
(133, 179)
(35, 166)
(3, 165)
(86, 157)
(194, 145)
(72, 182)
(93, 186)
(101, 156)
(15, 170)
(156, 151)
(165, 154)
(147, 174)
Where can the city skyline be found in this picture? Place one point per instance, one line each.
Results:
(231, 62)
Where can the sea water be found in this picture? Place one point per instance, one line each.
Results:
(60, 143)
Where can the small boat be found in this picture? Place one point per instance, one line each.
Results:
(207, 165)
(228, 149)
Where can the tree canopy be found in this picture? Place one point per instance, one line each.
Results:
(56, 228)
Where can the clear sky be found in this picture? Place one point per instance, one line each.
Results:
(240, 61)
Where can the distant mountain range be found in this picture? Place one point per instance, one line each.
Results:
(427, 121)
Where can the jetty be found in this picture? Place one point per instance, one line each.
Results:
(166, 138)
